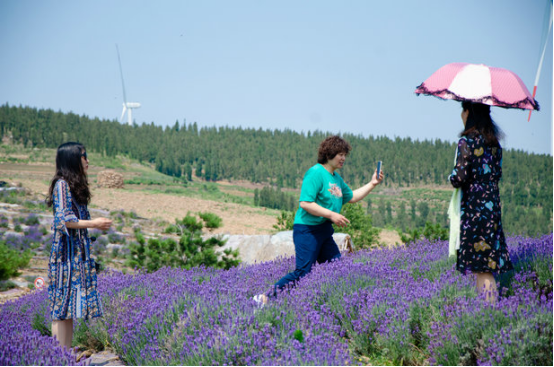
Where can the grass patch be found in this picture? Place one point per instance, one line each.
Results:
(39, 323)
(85, 337)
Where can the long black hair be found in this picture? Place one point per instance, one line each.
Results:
(70, 169)
(479, 121)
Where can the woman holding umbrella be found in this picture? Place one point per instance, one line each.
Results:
(478, 169)
(478, 242)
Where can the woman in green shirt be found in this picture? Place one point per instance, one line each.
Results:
(322, 196)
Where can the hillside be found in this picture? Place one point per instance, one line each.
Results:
(161, 199)
(415, 189)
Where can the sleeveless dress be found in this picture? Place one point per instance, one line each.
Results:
(477, 172)
(72, 276)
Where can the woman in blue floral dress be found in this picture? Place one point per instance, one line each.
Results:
(483, 249)
(71, 271)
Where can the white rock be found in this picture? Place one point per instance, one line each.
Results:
(262, 248)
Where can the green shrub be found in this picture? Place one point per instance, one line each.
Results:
(431, 231)
(39, 323)
(130, 214)
(35, 205)
(86, 337)
(172, 228)
(12, 260)
(12, 197)
(211, 220)
(191, 250)
(285, 221)
(298, 335)
(210, 187)
(190, 223)
(31, 220)
(101, 263)
(360, 229)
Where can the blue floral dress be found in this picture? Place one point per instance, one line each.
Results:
(71, 272)
(482, 242)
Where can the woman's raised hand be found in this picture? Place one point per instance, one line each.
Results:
(102, 223)
(377, 180)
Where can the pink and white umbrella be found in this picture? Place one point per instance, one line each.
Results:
(479, 83)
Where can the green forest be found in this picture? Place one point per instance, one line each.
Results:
(279, 159)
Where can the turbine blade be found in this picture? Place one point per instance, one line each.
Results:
(121, 72)
(130, 116)
(123, 113)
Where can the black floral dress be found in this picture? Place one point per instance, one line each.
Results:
(482, 242)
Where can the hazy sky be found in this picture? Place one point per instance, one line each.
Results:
(337, 66)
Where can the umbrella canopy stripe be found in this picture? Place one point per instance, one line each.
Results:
(473, 82)
(479, 83)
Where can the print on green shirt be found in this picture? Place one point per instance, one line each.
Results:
(325, 189)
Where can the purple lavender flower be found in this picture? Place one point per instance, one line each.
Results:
(403, 305)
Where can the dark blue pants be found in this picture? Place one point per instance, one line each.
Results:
(311, 244)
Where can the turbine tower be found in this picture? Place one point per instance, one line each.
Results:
(127, 106)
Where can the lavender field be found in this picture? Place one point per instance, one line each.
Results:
(404, 306)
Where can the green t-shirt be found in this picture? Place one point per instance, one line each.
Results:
(325, 189)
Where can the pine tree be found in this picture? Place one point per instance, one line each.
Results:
(198, 171)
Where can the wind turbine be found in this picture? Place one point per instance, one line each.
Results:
(127, 106)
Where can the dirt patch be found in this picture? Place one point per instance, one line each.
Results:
(13, 294)
(389, 238)
(22, 168)
(237, 219)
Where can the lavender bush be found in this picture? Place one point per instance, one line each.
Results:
(21, 344)
(400, 306)
(30, 220)
(4, 221)
(22, 242)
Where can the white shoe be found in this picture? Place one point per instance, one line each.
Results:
(261, 300)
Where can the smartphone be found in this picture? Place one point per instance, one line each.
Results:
(379, 168)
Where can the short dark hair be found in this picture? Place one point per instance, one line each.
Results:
(330, 147)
